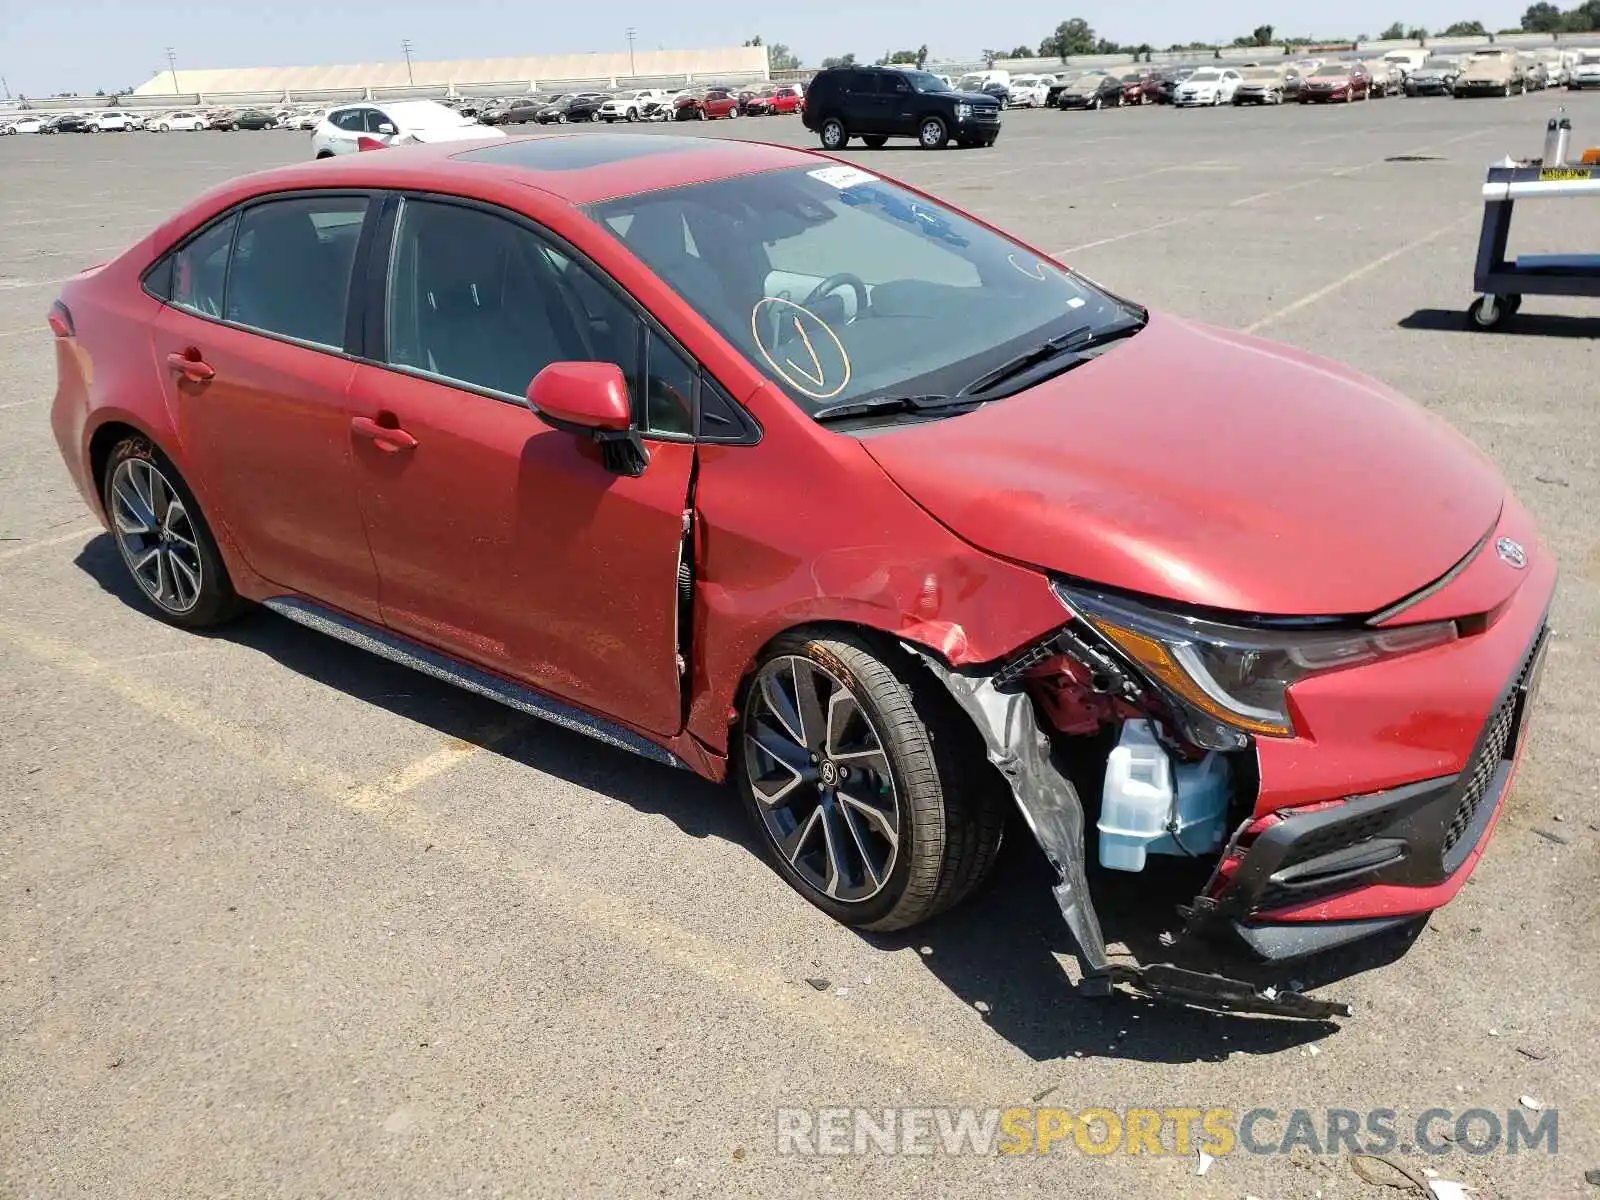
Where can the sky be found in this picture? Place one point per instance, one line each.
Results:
(111, 44)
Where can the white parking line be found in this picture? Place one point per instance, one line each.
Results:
(72, 535)
(1361, 271)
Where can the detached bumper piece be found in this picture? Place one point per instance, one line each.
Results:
(1414, 836)
(1050, 805)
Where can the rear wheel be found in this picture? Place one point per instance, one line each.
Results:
(870, 792)
(164, 539)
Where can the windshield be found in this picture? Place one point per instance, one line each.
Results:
(969, 83)
(925, 81)
(1261, 73)
(1438, 64)
(1331, 72)
(1205, 77)
(840, 286)
(1087, 83)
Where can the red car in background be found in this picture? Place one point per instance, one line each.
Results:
(775, 100)
(1140, 88)
(542, 418)
(705, 105)
(1335, 83)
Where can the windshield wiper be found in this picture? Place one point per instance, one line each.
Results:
(875, 405)
(1083, 337)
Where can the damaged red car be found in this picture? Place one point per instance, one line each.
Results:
(761, 465)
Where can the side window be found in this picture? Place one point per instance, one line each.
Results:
(291, 267)
(477, 298)
(200, 270)
(896, 85)
(669, 390)
(350, 119)
(375, 119)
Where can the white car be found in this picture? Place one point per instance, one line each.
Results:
(27, 125)
(111, 121)
(1029, 91)
(627, 106)
(1585, 73)
(1208, 86)
(354, 127)
(189, 122)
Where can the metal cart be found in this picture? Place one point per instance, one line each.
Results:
(1502, 284)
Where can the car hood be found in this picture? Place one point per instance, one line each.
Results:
(454, 133)
(1211, 468)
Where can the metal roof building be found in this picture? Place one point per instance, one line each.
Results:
(467, 75)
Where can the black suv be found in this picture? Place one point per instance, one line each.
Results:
(878, 103)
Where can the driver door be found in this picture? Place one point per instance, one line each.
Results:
(498, 539)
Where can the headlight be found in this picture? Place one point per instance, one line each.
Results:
(1237, 675)
(963, 111)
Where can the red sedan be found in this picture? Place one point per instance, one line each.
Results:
(760, 465)
(705, 106)
(775, 100)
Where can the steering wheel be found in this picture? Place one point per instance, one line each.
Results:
(833, 283)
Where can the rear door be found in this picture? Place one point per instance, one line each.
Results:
(252, 348)
(497, 538)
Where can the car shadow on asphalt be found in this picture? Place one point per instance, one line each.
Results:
(1449, 320)
(1003, 951)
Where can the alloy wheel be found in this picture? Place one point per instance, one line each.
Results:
(821, 779)
(156, 535)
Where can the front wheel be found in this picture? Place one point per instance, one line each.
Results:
(869, 790)
(833, 134)
(933, 133)
(164, 540)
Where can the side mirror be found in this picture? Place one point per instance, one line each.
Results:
(590, 399)
(386, 127)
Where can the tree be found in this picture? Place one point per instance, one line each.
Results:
(843, 60)
(779, 56)
(1466, 29)
(1020, 52)
(922, 55)
(897, 58)
(1417, 34)
(1583, 19)
(1394, 33)
(1143, 50)
(1541, 18)
(1261, 35)
(1071, 37)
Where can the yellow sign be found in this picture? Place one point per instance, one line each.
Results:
(1563, 175)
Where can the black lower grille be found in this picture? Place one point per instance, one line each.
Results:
(1495, 748)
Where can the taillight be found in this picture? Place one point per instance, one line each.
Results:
(60, 319)
(369, 143)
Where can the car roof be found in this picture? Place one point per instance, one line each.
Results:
(578, 169)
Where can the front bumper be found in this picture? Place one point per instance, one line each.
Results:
(1317, 872)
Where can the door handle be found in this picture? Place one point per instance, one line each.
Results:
(386, 438)
(190, 367)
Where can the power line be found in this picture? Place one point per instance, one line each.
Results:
(632, 33)
(172, 65)
(405, 48)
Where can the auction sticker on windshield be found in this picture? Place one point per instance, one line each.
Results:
(843, 177)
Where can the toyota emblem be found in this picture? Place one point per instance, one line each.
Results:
(1512, 552)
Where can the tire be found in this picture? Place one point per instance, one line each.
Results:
(324, 153)
(194, 594)
(933, 133)
(1094, 104)
(631, 116)
(875, 141)
(163, 128)
(833, 134)
(1505, 308)
(946, 804)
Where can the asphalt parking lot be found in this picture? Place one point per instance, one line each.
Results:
(280, 918)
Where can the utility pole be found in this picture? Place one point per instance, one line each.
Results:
(7, 86)
(405, 48)
(172, 65)
(632, 33)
